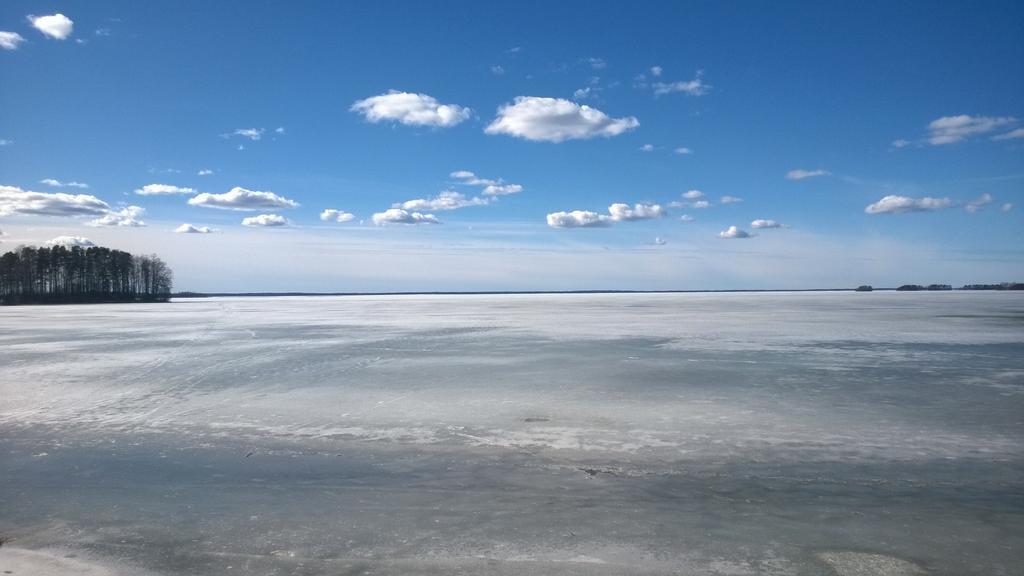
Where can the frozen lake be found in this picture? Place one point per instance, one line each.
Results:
(722, 434)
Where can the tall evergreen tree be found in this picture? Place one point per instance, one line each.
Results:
(58, 274)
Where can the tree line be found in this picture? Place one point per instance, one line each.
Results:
(61, 275)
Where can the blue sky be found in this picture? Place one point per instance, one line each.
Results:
(919, 102)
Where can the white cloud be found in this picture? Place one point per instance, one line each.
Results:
(6, 142)
(265, 221)
(900, 204)
(400, 216)
(502, 189)
(190, 229)
(410, 109)
(900, 143)
(71, 241)
(58, 184)
(731, 200)
(125, 217)
(447, 200)
(979, 202)
(279, 130)
(734, 232)
(10, 40)
(578, 219)
(683, 151)
(647, 148)
(556, 120)
(700, 204)
(56, 26)
(693, 194)
(761, 223)
(800, 174)
(655, 71)
(491, 187)
(597, 63)
(250, 133)
(497, 70)
(332, 215)
(204, 172)
(623, 213)
(950, 129)
(1006, 207)
(242, 199)
(14, 200)
(659, 241)
(1012, 134)
(162, 190)
(582, 93)
(695, 87)
(686, 218)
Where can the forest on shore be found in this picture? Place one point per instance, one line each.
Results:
(71, 275)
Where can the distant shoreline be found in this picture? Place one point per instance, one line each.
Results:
(552, 292)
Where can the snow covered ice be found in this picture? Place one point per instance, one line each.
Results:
(770, 433)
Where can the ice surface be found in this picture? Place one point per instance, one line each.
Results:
(783, 433)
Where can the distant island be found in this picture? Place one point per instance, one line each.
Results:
(76, 275)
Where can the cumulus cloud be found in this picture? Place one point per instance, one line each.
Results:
(58, 184)
(447, 200)
(57, 26)
(800, 174)
(734, 232)
(410, 109)
(693, 194)
(659, 241)
(556, 120)
(71, 242)
(242, 199)
(647, 148)
(10, 40)
(497, 70)
(578, 219)
(265, 221)
(656, 71)
(893, 204)
(731, 200)
(162, 190)
(250, 133)
(125, 217)
(491, 187)
(624, 213)
(686, 218)
(1006, 207)
(979, 203)
(900, 143)
(502, 189)
(332, 215)
(582, 93)
(190, 229)
(695, 87)
(204, 172)
(6, 142)
(402, 216)
(950, 129)
(618, 212)
(279, 130)
(683, 151)
(700, 204)
(1012, 134)
(14, 201)
(761, 223)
